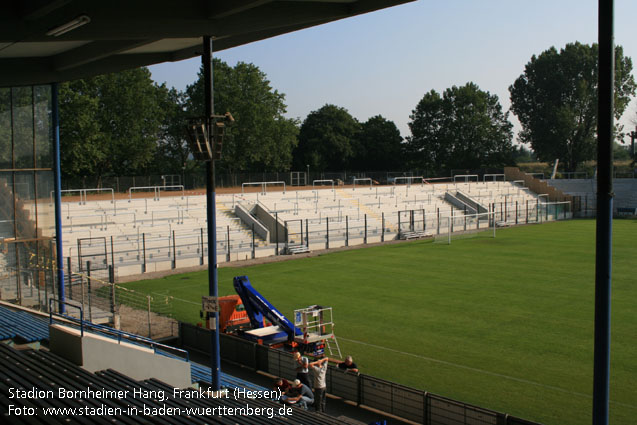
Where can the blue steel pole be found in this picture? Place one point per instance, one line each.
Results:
(215, 361)
(603, 254)
(57, 187)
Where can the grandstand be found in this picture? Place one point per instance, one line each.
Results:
(625, 191)
(143, 234)
(112, 395)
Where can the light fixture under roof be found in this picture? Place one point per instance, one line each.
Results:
(69, 26)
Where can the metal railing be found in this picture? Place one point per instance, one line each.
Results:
(413, 404)
(119, 335)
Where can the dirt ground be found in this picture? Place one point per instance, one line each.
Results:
(136, 322)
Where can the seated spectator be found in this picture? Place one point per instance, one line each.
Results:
(281, 384)
(348, 365)
(298, 393)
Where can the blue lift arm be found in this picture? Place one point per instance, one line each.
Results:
(257, 307)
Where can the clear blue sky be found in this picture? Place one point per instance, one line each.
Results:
(384, 62)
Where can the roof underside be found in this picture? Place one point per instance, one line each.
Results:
(125, 34)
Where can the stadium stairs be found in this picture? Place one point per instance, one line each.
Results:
(160, 234)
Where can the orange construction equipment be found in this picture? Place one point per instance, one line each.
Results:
(232, 314)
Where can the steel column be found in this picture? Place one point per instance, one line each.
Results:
(215, 362)
(57, 187)
(603, 253)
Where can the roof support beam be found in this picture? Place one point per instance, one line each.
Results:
(232, 7)
(94, 51)
(32, 10)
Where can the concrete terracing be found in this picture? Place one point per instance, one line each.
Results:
(153, 234)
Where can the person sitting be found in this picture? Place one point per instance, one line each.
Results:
(298, 393)
(348, 365)
(281, 384)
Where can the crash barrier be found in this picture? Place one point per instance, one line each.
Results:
(406, 402)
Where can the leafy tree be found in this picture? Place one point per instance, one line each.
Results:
(620, 152)
(81, 148)
(130, 119)
(555, 100)
(522, 154)
(172, 152)
(5, 128)
(463, 128)
(378, 146)
(326, 139)
(109, 123)
(261, 139)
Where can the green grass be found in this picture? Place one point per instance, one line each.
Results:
(504, 323)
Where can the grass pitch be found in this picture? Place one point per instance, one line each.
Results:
(504, 323)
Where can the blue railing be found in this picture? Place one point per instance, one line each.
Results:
(51, 313)
(111, 331)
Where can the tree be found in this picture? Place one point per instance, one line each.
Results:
(555, 100)
(463, 128)
(81, 148)
(377, 146)
(172, 152)
(326, 139)
(261, 139)
(109, 123)
(522, 154)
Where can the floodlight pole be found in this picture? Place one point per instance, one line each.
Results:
(603, 253)
(215, 362)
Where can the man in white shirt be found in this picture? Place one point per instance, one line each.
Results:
(319, 368)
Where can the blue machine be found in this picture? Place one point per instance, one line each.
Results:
(258, 308)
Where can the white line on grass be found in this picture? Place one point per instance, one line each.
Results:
(486, 372)
(175, 298)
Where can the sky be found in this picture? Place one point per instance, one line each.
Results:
(382, 63)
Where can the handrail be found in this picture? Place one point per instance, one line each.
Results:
(495, 176)
(363, 179)
(153, 344)
(466, 177)
(155, 191)
(174, 186)
(64, 315)
(262, 184)
(322, 181)
(409, 179)
(83, 193)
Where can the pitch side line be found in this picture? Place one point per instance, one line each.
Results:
(175, 298)
(486, 372)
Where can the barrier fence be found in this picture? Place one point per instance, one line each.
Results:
(409, 403)
(164, 247)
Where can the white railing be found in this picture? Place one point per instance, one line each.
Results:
(364, 179)
(322, 181)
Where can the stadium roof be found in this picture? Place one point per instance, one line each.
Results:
(43, 41)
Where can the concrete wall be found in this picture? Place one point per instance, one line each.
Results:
(470, 201)
(537, 186)
(625, 191)
(269, 221)
(458, 203)
(95, 352)
(250, 221)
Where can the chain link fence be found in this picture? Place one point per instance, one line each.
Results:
(103, 301)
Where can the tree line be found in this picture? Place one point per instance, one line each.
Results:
(125, 124)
